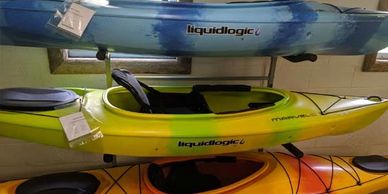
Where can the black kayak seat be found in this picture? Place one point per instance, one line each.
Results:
(128, 81)
(158, 102)
(183, 178)
(60, 183)
(35, 99)
(177, 103)
(373, 163)
(157, 177)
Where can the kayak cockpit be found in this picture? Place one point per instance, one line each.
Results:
(194, 103)
(199, 99)
(201, 175)
(68, 182)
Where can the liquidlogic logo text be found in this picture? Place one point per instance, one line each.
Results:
(223, 30)
(301, 116)
(211, 143)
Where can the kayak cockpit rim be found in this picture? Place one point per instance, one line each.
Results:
(120, 111)
(268, 164)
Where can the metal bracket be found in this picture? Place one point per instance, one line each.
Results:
(108, 70)
(271, 73)
(104, 55)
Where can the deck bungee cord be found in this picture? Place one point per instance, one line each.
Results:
(116, 181)
(285, 171)
(328, 188)
(325, 111)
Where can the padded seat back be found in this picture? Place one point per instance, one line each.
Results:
(35, 99)
(158, 102)
(129, 81)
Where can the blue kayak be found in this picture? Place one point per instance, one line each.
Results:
(269, 28)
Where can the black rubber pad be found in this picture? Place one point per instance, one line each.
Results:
(372, 163)
(35, 99)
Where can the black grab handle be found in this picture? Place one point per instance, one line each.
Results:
(301, 58)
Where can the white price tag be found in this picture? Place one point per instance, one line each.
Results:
(76, 19)
(75, 126)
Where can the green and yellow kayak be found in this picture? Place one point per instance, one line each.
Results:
(294, 117)
(183, 121)
(244, 173)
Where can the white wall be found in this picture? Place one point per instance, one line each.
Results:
(330, 74)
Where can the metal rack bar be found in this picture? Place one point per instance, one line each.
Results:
(271, 73)
(269, 78)
(108, 70)
(201, 78)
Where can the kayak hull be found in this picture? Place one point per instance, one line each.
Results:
(257, 172)
(187, 29)
(294, 118)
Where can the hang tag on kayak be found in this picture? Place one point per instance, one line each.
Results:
(75, 126)
(76, 19)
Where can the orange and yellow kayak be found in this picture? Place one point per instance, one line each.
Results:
(238, 173)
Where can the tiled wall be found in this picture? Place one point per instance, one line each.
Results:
(330, 74)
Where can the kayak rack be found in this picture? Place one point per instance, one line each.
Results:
(269, 77)
(105, 56)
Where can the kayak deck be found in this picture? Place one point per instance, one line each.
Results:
(138, 120)
(242, 173)
(200, 29)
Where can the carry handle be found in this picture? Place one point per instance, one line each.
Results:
(302, 57)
